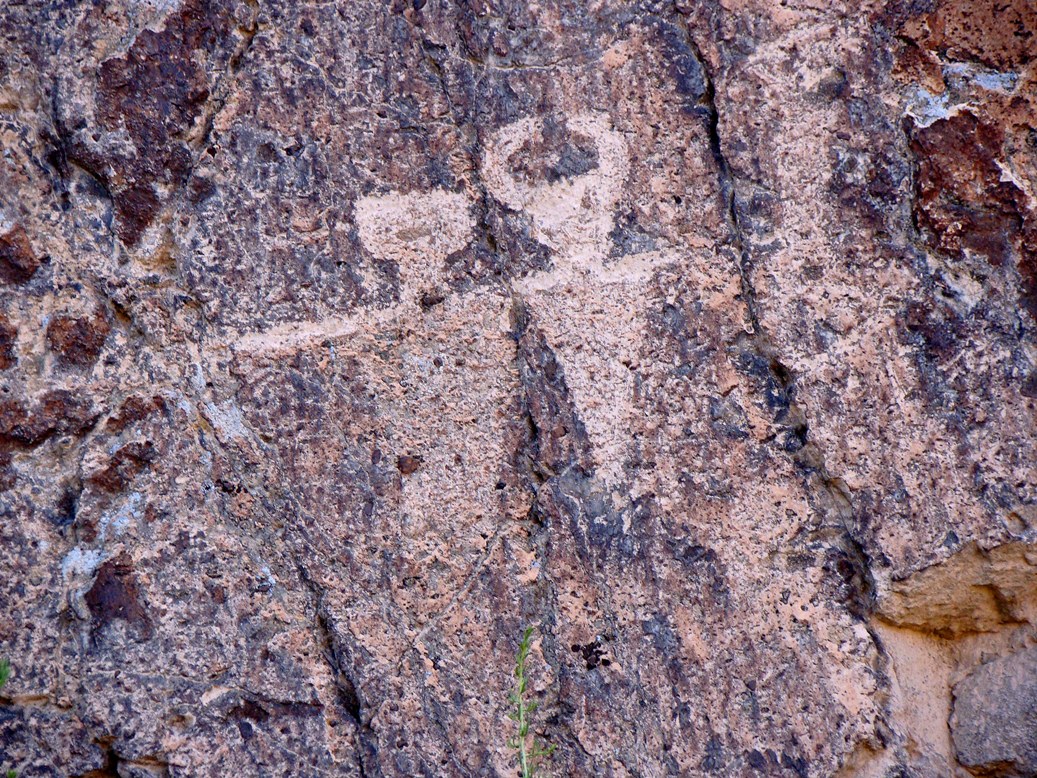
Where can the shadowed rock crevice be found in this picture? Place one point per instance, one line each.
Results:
(563, 524)
(557, 441)
(851, 561)
(340, 667)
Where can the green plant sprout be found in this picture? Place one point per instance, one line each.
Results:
(5, 673)
(531, 752)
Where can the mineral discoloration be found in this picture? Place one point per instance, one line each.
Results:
(18, 262)
(8, 343)
(78, 340)
(973, 591)
(115, 595)
(339, 342)
(151, 106)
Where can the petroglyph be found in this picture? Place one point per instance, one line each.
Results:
(589, 307)
(296, 335)
(573, 216)
(463, 340)
(590, 311)
(418, 231)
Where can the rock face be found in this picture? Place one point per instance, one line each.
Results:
(341, 341)
(995, 717)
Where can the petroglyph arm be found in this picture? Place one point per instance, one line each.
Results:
(417, 230)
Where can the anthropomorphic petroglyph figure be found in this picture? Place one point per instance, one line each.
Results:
(443, 379)
(590, 310)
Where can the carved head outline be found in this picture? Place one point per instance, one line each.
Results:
(572, 216)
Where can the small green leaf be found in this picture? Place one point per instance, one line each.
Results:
(531, 752)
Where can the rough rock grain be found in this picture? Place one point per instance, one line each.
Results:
(995, 717)
(341, 341)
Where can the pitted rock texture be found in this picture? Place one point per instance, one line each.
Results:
(341, 341)
(999, 739)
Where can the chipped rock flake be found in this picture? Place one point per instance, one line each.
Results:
(81, 562)
(926, 108)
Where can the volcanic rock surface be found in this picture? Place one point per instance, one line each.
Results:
(340, 341)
